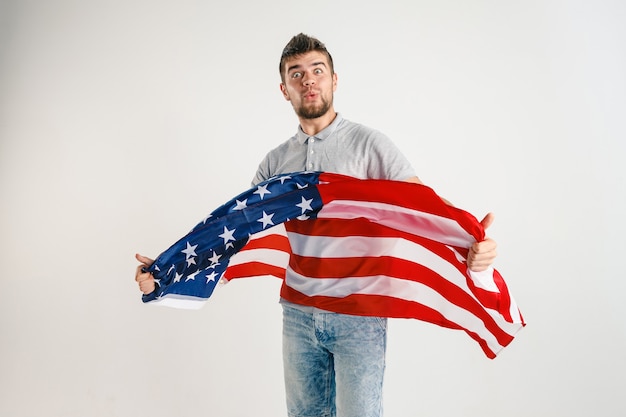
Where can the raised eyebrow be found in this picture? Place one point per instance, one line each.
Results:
(298, 66)
(293, 67)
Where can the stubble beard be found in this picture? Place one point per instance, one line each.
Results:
(313, 112)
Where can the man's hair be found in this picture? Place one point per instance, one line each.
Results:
(299, 45)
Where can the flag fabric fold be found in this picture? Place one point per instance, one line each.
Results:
(362, 247)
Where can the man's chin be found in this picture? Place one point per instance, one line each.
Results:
(312, 112)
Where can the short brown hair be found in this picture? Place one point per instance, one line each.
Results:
(299, 45)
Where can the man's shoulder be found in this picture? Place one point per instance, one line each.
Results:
(359, 130)
(288, 147)
(289, 143)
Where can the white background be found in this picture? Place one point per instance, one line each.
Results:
(122, 123)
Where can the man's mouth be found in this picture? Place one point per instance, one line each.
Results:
(310, 96)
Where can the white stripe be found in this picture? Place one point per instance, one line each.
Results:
(342, 247)
(179, 301)
(516, 316)
(279, 229)
(419, 223)
(484, 279)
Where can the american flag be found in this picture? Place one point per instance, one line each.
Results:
(362, 247)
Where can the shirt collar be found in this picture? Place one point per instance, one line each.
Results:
(323, 134)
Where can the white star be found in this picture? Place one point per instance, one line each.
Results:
(227, 235)
(241, 204)
(303, 217)
(191, 250)
(192, 277)
(191, 261)
(305, 205)
(284, 178)
(178, 277)
(262, 190)
(266, 219)
(207, 218)
(300, 187)
(171, 269)
(214, 260)
(211, 277)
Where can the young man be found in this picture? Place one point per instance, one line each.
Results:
(333, 363)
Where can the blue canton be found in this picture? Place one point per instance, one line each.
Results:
(192, 267)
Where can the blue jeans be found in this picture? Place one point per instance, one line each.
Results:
(334, 364)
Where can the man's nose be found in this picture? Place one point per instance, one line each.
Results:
(309, 81)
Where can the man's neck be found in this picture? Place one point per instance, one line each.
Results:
(313, 126)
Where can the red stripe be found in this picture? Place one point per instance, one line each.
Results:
(344, 227)
(502, 297)
(274, 241)
(402, 194)
(253, 269)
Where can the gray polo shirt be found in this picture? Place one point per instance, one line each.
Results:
(344, 148)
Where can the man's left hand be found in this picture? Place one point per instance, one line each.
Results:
(482, 254)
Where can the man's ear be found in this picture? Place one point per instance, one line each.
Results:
(283, 90)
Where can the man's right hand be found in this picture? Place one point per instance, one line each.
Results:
(144, 279)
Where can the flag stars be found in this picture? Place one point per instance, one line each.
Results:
(191, 261)
(211, 277)
(284, 178)
(266, 219)
(177, 277)
(190, 251)
(192, 277)
(262, 190)
(214, 260)
(240, 205)
(227, 235)
(305, 205)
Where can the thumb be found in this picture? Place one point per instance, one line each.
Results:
(144, 259)
(488, 220)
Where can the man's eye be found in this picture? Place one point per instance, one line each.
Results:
(318, 71)
(296, 75)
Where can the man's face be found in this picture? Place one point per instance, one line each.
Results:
(309, 84)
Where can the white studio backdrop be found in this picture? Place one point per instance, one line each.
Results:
(122, 123)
